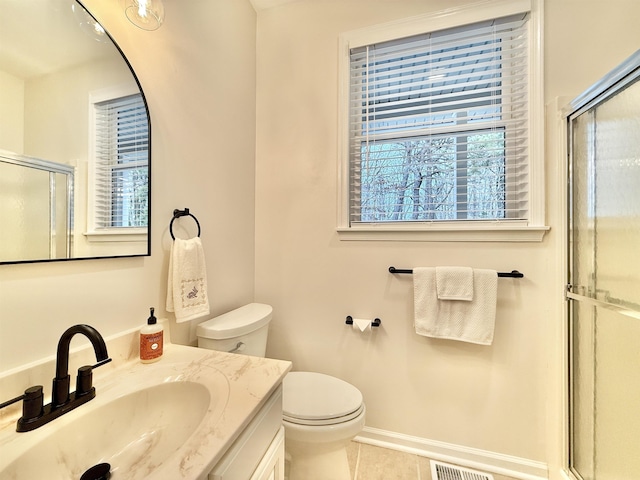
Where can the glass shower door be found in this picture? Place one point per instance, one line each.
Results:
(36, 208)
(604, 279)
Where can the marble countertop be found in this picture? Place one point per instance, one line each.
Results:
(249, 382)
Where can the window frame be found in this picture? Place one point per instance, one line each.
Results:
(94, 233)
(530, 230)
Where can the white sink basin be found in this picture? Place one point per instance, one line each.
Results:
(136, 423)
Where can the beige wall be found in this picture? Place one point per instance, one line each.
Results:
(201, 95)
(12, 108)
(496, 398)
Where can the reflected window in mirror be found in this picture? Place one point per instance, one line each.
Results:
(120, 169)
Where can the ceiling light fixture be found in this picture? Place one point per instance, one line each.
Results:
(88, 24)
(145, 14)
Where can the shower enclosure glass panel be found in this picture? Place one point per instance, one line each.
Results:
(604, 278)
(35, 208)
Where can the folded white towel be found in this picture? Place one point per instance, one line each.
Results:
(472, 321)
(454, 283)
(187, 283)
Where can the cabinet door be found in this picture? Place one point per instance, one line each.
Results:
(247, 454)
(272, 465)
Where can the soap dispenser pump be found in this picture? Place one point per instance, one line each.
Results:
(151, 340)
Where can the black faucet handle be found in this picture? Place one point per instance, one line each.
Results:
(103, 362)
(32, 402)
(12, 401)
(32, 406)
(84, 380)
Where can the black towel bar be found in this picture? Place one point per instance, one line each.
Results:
(511, 274)
(182, 213)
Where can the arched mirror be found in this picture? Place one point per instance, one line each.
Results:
(74, 138)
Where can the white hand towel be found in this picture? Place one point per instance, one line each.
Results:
(472, 321)
(454, 283)
(187, 282)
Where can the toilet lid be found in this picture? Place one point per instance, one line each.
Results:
(317, 399)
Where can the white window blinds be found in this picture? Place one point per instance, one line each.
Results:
(121, 163)
(439, 126)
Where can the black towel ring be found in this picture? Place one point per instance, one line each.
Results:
(182, 213)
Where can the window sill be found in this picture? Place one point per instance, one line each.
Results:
(444, 233)
(130, 235)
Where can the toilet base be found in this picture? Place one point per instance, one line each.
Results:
(319, 465)
(320, 452)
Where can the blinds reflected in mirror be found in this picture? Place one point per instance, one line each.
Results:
(121, 163)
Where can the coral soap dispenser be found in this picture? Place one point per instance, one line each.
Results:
(151, 340)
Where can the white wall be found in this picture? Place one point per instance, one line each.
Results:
(198, 73)
(496, 398)
(12, 108)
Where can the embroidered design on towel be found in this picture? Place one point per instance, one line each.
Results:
(193, 292)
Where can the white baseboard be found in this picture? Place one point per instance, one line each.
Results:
(483, 460)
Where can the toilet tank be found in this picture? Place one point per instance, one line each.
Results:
(243, 330)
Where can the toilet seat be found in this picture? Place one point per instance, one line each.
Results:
(311, 398)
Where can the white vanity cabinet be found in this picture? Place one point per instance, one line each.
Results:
(258, 453)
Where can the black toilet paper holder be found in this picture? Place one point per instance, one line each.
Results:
(375, 323)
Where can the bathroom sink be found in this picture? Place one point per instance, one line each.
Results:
(171, 420)
(136, 423)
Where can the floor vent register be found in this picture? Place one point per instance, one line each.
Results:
(444, 471)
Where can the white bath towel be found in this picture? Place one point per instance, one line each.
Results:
(187, 283)
(472, 321)
(454, 283)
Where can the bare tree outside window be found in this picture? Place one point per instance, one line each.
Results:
(420, 179)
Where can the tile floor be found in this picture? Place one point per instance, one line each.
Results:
(369, 462)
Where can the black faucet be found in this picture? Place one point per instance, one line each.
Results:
(34, 414)
(60, 393)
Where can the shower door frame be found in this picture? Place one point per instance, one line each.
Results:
(615, 81)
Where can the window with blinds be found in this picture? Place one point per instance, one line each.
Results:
(121, 163)
(438, 126)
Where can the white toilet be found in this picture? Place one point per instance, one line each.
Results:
(321, 413)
